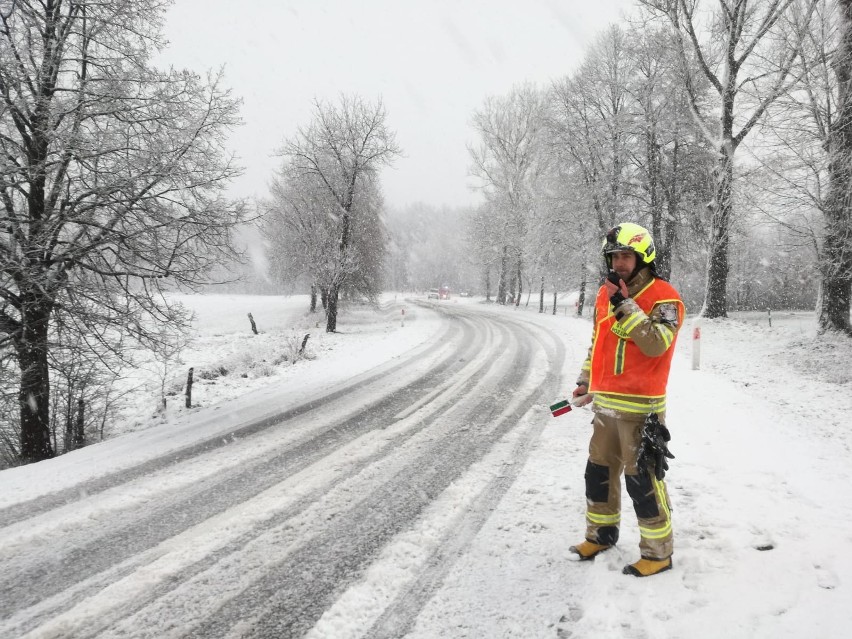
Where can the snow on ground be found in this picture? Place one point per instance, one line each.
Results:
(761, 486)
(258, 382)
(230, 360)
(760, 490)
(762, 499)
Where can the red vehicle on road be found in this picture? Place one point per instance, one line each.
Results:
(442, 293)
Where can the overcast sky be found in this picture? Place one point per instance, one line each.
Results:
(432, 62)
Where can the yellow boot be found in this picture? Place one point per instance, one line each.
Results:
(647, 567)
(587, 550)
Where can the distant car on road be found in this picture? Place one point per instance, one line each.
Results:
(442, 293)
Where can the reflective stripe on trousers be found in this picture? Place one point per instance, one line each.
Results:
(612, 452)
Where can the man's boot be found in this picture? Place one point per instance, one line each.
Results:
(586, 550)
(646, 567)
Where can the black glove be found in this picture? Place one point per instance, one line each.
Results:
(653, 449)
(618, 297)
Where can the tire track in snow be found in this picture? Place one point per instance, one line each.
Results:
(399, 617)
(127, 543)
(462, 454)
(27, 586)
(298, 589)
(94, 626)
(28, 509)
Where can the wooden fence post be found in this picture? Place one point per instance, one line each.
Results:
(189, 386)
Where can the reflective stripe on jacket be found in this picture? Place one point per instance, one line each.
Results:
(619, 371)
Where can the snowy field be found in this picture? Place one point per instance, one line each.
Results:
(761, 485)
(259, 380)
(230, 361)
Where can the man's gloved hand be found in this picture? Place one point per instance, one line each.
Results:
(616, 288)
(580, 396)
(653, 449)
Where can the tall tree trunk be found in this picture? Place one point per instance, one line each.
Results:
(314, 298)
(541, 297)
(331, 309)
(654, 172)
(501, 285)
(836, 288)
(664, 257)
(581, 299)
(68, 439)
(334, 291)
(716, 290)
(672, 195)
(836, 255)
(69, 418)
(34, 390)
(660, 228)
(520, 285)
(488, 283)
(32, 345)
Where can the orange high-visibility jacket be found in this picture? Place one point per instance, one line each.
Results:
(618, 366)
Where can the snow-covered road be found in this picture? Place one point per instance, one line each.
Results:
(261, 532)
(409, 481)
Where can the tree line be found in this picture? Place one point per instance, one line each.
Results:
(112, 180)
(323, 220)
(721, 126)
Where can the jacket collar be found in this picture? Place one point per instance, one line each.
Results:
(639, 281)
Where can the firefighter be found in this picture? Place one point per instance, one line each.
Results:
(636, 320)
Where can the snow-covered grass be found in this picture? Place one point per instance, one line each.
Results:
(230, 361)
(367, 338)
(761, 486)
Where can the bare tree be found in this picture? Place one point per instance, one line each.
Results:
(592, 138)
(303, 229)
(802, 161)
(369, 247)
(588, 127)
(300, 226)
(746, 54)
(111, 178)
(485, 241)
(343, 149)
(667, 151)
(508, 163)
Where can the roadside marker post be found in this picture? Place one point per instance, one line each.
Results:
(696, 343)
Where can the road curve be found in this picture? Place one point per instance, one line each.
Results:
(260, 534)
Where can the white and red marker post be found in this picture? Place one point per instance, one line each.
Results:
(696, 343)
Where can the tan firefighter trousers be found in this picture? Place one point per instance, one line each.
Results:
(613, 450)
